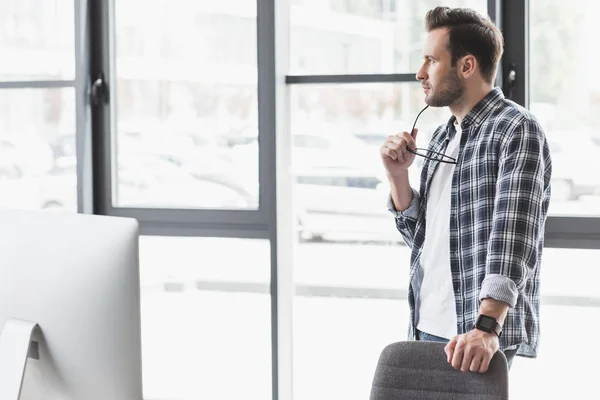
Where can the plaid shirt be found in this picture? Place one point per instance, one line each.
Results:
(499, 202)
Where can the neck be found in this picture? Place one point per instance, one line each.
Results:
(473, 95)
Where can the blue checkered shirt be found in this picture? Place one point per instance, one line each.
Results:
(499, 203)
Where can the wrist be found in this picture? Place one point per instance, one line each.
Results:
(397, 177)
(495, 309)
(401, 192)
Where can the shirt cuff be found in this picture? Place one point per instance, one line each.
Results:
(411, 212)
(501, 288)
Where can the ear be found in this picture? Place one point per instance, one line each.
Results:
(467, 66)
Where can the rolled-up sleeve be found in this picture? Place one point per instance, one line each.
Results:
(406, 221)
(518, 217)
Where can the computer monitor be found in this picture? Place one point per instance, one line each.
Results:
(77, 277)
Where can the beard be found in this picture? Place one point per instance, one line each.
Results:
(455, 89)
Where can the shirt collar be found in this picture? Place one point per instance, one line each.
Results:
(478, 113)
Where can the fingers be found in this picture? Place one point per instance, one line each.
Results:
(476, 363)
(402, 140)
(471, 351)
(393, 151)
(485, 363)
(396, 146)
(468, 356)
(386, 151)
(459, 352)
(449, 349)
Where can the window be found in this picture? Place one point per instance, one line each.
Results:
(347, 310)
(566, 298)
(37, 40)
(352, 37)
(37, 149)
(38, 160)
(205, 318)
(568, 111)
(187, 99)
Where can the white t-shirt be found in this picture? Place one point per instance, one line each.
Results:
(436, 306)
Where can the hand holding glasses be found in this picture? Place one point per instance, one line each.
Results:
(399, 151)
(429, 154)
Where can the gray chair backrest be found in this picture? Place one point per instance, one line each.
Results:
(418, 370)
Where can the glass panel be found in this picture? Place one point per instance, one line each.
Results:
(570, 316)
(187, 107)
(347, 311)
(206, 328)
(37, 39)
(361, 36)
(337, 131)
(37, 149)
(567, 111)
(337, 342)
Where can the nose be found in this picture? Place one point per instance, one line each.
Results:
(421, 74)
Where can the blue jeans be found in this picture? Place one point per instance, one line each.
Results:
(509, 354)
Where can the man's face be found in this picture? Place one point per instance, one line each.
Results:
(440, 81)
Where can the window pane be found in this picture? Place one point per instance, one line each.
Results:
(348, 310)
(567, 111)
(566, 365)
(187, 105)
(361, 36)
(37, 149)
(341, 189)
(345, 313)
(37, 40)
(206, 328)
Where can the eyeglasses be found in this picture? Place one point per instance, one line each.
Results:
(430, 154)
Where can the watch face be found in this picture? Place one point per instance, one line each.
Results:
(486, 322)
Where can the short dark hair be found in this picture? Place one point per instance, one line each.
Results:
(469, 33)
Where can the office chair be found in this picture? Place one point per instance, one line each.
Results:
(418, 370)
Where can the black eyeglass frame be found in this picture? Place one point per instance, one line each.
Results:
(430, 154)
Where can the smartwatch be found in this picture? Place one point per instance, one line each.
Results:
(488, 324)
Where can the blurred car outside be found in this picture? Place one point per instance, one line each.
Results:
(575, 164)
(143, 181)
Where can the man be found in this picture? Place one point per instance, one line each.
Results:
(476, 225)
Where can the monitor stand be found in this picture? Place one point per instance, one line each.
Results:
(15, 347)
